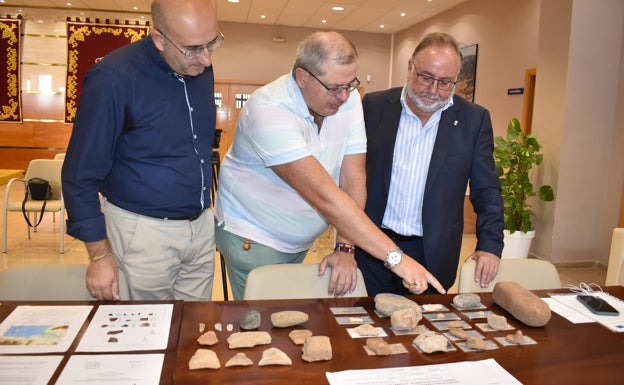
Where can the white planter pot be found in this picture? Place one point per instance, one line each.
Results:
(517, 245)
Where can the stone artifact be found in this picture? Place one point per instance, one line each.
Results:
(229, 327)
(298, 336)
(516, 338)
(366, 330)
(204, 359)
(248, 339)
(388, 303)
(466, 301)
(379, 346)
(218, 327)
(274, 356)
(430, 342)
(317, 348)
(455, 324)
(202, 327)
(287, 318)
(497, 322)
(406, 319)
(476, 343)
(458, 332)
(251, 320)
(524, 305)
(239, 359)
(209, 338)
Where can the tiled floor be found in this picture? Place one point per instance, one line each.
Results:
(43, 248)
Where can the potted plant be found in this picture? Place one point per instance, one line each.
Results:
(515, 156)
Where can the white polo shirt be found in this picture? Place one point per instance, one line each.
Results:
(275, 127)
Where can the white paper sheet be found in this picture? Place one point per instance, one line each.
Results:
(117, 369)
(458, 373)
(613, 323)
(27, 370)
(41, 329)
(117, 328)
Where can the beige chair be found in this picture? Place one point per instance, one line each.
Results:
(50, 170)
(293, 280)
(615, 269)
(49, 283)
(60, 156)
(533, 274)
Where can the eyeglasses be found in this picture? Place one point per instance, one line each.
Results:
(443, 84)
(333, 91)
(195, 51)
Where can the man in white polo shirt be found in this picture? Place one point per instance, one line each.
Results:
(296, 165)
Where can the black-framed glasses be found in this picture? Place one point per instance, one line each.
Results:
(195, 51)
(443, 84)
(333, 91)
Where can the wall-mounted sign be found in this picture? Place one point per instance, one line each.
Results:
(515, 91)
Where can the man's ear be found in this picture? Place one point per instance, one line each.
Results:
(158, 39)
(301, 76)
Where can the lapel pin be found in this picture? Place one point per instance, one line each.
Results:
(455, 123)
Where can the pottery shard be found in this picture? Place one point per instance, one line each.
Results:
(458, 332)
(430, 342)
(366, 330)
(406, 319)
(476, 343)
(467, 300)
(240, 359)
(204, 359)
(388, 303)
(516, 338)
(251, 320)
(378, 346)
(298, 336)
(317, 348)
(455, 324)
(497, 322)
(248, 339)
(209, 338)
(284, 319)
(274, 356)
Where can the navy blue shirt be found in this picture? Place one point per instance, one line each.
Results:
(142, 137)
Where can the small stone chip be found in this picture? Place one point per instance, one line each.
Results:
(476, 343)
(516, 338)
(298, 336)
(240, 359)
(366, 330)
(209, 338)
(274, 356)
(204, 359)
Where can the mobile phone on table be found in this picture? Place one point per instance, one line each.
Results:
(597, 305)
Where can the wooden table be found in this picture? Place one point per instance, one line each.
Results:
(170, 353)
(565, 353)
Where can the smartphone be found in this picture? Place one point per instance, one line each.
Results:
(597, 305)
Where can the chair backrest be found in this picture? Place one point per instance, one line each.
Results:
(49, 283)
(615, 269)
(293, 280)
(60, 156)
(533, 274)
(49, 169)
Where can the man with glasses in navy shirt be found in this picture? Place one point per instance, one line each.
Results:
(142, 138)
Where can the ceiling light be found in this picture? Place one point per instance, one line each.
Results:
(324, 21)
(68, 4)
(233, 1)
(263, 16)
(402, 14)
(382, 26)
(338, 8)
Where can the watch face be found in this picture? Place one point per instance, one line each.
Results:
(393, 258)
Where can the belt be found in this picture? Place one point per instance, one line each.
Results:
(398, 237)
(190, 218)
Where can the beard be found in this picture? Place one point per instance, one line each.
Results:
(426, 102)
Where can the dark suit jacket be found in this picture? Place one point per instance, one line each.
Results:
(462, 154)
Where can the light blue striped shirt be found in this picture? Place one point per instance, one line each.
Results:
(410, 165)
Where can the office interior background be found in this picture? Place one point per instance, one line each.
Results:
(567, 55)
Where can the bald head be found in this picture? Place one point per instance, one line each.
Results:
(321, 48)
(178, 16)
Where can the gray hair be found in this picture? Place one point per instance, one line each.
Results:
(438, 39)
(322, 47)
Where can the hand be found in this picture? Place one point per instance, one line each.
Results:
(102, 274)
(343, 277)
(487, 267)
(415, 277)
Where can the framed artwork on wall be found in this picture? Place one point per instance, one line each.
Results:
(466, 81)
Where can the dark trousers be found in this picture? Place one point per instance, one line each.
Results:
(380, 279)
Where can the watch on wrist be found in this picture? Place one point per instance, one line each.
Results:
(393, 258)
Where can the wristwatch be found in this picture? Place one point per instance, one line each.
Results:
(393, 258)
